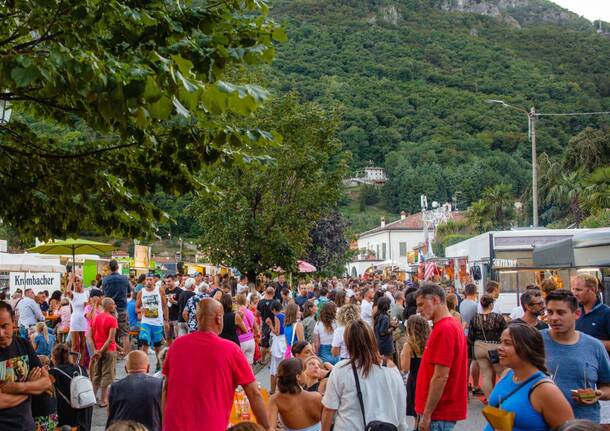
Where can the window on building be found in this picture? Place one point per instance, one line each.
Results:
(403, 249)
(377, 254)
(383, 247)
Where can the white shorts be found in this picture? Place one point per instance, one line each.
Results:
(275, 362)
(248, 347)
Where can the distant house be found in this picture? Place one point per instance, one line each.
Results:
(369, 175)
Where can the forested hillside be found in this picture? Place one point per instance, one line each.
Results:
(411, 81)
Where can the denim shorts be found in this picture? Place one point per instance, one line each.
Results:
(442, 426)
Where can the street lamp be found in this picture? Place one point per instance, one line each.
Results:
(531, 123)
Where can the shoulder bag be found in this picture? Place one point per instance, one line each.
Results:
(500, 419)
(373, 425)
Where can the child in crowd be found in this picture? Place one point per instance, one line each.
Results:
(42, 341)
(63, 327)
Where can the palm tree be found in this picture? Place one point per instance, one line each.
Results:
(597, 195)
(565, 192)
(501, 204)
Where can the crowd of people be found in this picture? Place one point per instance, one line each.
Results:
(343, 354)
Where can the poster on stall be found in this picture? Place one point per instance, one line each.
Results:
(141, 257)
(37, 281)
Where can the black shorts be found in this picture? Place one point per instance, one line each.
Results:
(265, 336)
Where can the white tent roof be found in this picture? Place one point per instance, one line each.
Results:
(29, 263)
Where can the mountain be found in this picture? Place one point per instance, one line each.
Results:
(411, 79)
(518, 12)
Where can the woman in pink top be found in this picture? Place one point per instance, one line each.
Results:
(246, 339)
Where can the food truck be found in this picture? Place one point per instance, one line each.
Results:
(507, 257)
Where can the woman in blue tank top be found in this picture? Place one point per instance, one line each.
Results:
(525, 389)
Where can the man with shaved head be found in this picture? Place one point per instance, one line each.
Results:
(137, 397)
(201, 372)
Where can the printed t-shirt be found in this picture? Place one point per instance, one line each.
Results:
(447, 347)
(100, 328)
(16, 361)
(219, 365)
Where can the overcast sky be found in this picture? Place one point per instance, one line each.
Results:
(590, 9)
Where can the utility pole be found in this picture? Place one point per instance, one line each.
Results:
(532, 119)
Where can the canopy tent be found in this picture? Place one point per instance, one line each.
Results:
(28, 263)
(586, 249)
(73, 246)
(390, 263)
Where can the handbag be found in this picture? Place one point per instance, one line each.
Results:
(492, 354)
(500, 419)
(373, 425)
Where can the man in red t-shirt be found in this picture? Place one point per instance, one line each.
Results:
(441, 397)
(201, 372)
(102, 334)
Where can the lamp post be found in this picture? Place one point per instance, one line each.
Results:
(532, 115)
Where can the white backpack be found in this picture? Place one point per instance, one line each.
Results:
(81, 391)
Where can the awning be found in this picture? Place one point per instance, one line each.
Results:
(591, 248)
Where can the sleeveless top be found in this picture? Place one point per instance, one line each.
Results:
(229, 329)
(526, 418)
(289, 332)
(78, 322)
(281, 317)
(152, 309)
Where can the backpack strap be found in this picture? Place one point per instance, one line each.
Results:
(360, 400)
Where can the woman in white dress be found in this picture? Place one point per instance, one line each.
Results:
(78, 321)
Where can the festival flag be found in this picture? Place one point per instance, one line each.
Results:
(430, 270)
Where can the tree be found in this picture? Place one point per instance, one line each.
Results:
(262, 214)
(111, 100)
(328, 249)
(597, 193)
(495, 210)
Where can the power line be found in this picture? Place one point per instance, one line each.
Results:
(572, 113)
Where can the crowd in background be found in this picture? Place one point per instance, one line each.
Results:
(341, 353)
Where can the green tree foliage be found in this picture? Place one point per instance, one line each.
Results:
(264, 213)
(114, 99)
(575, 187)
(413, 91)
(494, 211)
(328, 249)
(369, 195)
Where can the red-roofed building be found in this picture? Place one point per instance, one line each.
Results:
(390, 243)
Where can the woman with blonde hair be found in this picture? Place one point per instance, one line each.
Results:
(42, 341)
(345, 315)
(418, 331)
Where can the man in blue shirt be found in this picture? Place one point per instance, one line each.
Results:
(594, 317)
(301, 298)
(116, 286)
(574, 359)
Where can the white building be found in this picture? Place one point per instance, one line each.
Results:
(389, 244)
